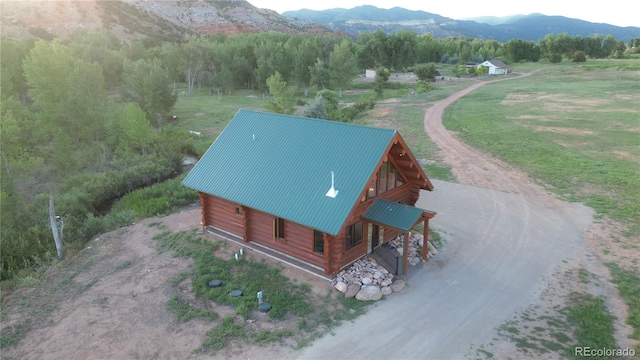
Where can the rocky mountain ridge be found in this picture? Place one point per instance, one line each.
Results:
(131, 19)
(533, 27)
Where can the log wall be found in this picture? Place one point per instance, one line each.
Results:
(223, 214)
(298, 241)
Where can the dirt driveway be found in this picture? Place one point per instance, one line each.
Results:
(508, 242)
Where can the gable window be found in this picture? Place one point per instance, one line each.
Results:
(386, 179)
(354, 235)
(372, 191)
(382, 178)
(278, 228)
(318, 242)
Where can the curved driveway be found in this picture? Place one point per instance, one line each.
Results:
(504, 236)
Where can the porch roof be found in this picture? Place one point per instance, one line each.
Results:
(393, 214)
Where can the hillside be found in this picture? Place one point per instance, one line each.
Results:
(131, 19)
(527, 27)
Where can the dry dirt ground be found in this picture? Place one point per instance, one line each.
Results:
(108, 301)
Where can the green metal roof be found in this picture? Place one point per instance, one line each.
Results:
(393, 214)
(282, 165)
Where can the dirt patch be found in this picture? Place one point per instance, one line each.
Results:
(110, 300)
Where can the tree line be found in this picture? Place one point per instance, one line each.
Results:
(84, 118)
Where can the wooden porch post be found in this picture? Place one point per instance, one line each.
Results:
(405, 255)
(425, 241)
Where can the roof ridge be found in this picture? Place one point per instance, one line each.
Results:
(339, 123)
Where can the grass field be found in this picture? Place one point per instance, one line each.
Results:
(576, 128)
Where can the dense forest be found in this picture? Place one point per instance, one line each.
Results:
(84, 120)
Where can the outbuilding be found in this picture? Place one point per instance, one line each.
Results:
(320, 193)
(495, 67)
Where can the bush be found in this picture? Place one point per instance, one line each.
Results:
(578, 56)
(157, 200)
(555, 58)
(423, 87)
(348, 114)
(315, 109)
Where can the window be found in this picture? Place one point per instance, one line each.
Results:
(372, 191)
(399, 181)
(354, 234)
(391, 184)
(382, 178)
(386, 179)
(318, 242)
(238, 210)
(278, 228)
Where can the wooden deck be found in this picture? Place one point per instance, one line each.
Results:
(276, 255)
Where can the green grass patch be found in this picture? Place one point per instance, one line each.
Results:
(628, 283)
(594, 324)
(486, 353)
(13, 334)
(185, 312)
(123, 265)
(221, 334)
(269, 336)
(204, 112)
(157, 200)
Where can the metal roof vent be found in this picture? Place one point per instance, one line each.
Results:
(332, 192)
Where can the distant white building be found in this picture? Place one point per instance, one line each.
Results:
(495, 67)
(370, 74)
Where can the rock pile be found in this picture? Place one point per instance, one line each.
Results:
(367, 280)
(416, 242)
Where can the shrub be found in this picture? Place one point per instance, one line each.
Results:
(555, 58)
(578, 56)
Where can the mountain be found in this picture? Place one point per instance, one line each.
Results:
(526, 27)
(495, 20)
(164, 20)
(171, 20)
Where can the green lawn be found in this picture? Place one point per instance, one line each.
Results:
(574, 127)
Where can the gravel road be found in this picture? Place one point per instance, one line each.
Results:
(504, 236)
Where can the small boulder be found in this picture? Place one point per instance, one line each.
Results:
(398, 285)
(385, 290)
(366, 281)
(369, 293)
(352, 290)
(342, 287)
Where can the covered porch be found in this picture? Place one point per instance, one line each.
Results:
(404, 218)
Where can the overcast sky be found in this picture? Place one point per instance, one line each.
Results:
(614, 12)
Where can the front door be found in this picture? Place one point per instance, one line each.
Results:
(375, 236)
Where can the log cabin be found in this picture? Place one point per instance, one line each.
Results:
(324, 193)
